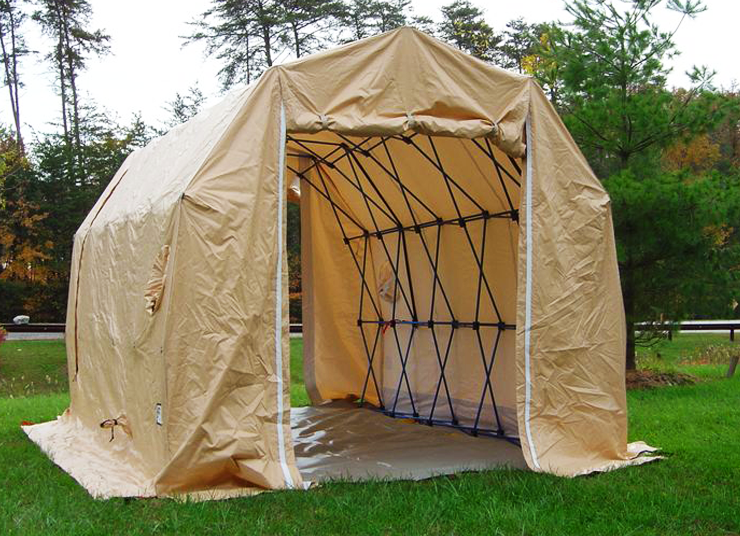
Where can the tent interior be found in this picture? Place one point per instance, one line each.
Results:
(409, 279)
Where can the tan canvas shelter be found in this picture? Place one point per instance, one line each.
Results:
(459, 270)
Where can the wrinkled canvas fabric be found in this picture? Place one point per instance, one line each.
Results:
(191, 346)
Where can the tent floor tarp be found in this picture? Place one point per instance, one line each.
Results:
(332, 441)
(339, 441)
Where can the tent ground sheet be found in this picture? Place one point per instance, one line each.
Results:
(340, 441)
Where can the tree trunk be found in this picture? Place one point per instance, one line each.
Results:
(10, 64)
(733, 365)
(297, 39)
(628, 295)
(16, 85)
(628, 288)
(6, 66)
(268, 45)
(72, 79)
(264, 24)
(631, 362)
(629, 313)
(62, 74)
(63, 90)
(75, 106)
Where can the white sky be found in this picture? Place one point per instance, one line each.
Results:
(148, 63)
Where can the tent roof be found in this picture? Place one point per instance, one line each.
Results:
(388, 84)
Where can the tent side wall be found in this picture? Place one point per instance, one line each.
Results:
(227, 346)
(118, 314)
(571, 391)
(334, 357)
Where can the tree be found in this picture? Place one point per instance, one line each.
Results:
(613, 92)
(250, 35)
(13, 48)
(310, 22)
(542, 65)
(391, 14)
(66, 22)
(727, 135)
(68, 192)
(244, 34)
(682, 248)
(23, 249)
(464, 26)
(184, 107)
(698, 155)
(518, 41)
(423, 23)
(43, 201)
(364, 18)
(614, 82)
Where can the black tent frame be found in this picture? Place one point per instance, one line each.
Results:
(372, 149)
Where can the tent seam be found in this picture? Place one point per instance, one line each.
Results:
(250, 88)
(79, 268)
(528, 300)
(279, 301)
(167, 298)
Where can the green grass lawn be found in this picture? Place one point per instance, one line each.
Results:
(30, 368)
(704, 355)
(696, 490)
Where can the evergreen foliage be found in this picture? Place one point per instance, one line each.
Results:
(611, 64)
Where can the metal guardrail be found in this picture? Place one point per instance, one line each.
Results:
(59, 328)
(34, 328)
(706, 325)
(730, 325)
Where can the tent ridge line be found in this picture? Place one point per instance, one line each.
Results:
(238, 106)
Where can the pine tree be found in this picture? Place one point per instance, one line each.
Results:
(13, 48)
(310, 23)
(184, 106)
(519, 40)
(613, 94)
(66, 22)
(249, 36)
(464, 26)
(364, 18)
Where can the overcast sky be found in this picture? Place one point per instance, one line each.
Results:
(148, 63)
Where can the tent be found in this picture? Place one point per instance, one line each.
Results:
(461, 309)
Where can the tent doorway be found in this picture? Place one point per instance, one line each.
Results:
(409, 286)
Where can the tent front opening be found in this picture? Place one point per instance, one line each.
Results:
(409, 262)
